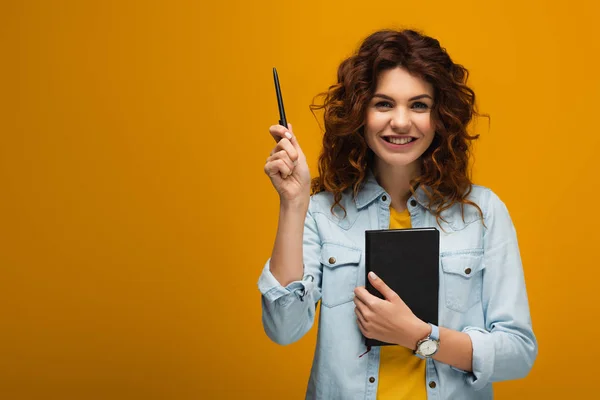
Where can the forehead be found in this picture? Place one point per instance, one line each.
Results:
(398, 82)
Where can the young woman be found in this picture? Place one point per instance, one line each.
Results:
(395, 155)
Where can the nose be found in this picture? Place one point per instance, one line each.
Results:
(400, 121)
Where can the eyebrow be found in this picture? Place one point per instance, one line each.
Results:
(421, 96)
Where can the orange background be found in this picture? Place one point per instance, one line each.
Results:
(135, 217)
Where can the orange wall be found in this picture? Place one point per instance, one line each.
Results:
(135, 217)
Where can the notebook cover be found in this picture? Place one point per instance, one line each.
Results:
(407, 260)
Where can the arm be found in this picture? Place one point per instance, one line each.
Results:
(289, 311)
(504, 349)
(286, 258)
(291, 279)
(455, 349)
(390, 320)
(507, 347)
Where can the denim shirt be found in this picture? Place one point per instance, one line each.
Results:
(481, 292)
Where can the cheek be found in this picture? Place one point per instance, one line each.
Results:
(371, 128)
(426, 125)
(375, 122)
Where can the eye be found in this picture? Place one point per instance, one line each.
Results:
(383, 104)
(419, 105)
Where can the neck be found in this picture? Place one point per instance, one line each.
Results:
(396, 181)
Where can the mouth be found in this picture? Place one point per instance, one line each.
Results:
(399, 140)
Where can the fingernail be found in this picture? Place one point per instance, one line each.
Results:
(372, 275)
(288, 135)
(295, 162)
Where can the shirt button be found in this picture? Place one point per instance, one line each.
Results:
(331, 260)
(413, 203)
(371, 379)
(384, 197)
(468, 271)
(432, 384)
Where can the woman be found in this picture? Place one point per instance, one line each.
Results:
(395, 155)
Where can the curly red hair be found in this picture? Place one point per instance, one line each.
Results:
(345, 156)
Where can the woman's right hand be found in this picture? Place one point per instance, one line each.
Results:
(287, 167)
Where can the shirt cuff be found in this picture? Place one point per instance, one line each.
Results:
(272, 290)
(483, 357)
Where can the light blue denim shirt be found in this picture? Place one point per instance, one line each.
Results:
(482, 292)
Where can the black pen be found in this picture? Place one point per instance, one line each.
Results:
(282, 119)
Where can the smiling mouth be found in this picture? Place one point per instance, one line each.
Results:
(396, 140)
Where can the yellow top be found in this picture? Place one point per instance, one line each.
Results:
(401, 373)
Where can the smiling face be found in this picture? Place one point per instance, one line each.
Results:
(399, 126)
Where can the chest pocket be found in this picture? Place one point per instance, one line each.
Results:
(340, 273)
(463, 278)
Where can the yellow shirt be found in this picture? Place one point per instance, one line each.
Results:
(401, 373)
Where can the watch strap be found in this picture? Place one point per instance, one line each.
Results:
(434, 335)
(435, 332)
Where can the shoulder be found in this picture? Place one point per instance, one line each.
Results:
(322, 202)
(479, 194)
(484, 198)
(494, 210)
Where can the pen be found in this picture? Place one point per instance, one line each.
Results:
(282, 119)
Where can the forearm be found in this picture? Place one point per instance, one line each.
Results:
(455, 349)
(286, 259)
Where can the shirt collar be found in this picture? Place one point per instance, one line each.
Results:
(371, 190)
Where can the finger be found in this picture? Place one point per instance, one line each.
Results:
(359, 304)
(279, 132)
(361, 307)
(382, 288)
(362, 324)
(275, 167)
(273, 173)
(283, 156)
(286, 144)
(294, 140)
(364, 296)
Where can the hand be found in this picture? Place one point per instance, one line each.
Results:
(287, 167)
(388, 320)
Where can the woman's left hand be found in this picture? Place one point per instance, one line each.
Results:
(389, 319)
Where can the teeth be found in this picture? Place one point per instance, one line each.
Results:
(403, 140)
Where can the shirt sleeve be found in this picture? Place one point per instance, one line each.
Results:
(289, 312)
(507, 347)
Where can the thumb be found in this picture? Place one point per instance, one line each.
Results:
(382, 288)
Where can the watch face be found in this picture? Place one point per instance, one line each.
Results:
(428, 347)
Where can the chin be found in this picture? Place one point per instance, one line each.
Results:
(399, 160)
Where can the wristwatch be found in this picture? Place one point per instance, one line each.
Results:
(427, 347)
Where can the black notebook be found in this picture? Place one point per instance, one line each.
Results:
(407, 260)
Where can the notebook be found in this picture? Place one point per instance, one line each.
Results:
(407, 260)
